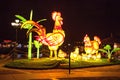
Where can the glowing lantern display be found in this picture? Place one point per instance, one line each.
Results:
(91, 48)
(52, 40)
(90, 56)
(75, 55)
(26, 24)
(61, 54)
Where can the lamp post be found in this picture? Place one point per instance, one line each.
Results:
(16, 25)
(69, 59)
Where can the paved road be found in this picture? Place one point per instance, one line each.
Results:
(96, 73)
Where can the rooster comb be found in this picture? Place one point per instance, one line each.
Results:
(54, 14)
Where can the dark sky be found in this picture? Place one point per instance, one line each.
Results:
(92, 17)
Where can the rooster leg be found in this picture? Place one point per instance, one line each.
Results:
(55, 52)
(51, 53)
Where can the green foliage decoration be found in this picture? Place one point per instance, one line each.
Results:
(109, 51)
(37, 45)
(28, 26)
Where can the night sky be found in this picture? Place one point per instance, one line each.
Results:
(92, 17)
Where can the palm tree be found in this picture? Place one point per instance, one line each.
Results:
(28, 26)
(108, 51)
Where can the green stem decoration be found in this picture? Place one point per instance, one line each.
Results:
(37, 45)
(28, 26)
(30, 40)
(38, 53)
(30, 46)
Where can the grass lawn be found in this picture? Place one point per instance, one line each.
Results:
(47, 63)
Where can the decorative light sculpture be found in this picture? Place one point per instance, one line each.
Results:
(37, 45)
(52, 40)
(74, 56)
(26, 24)
(109, 51)
(61, 54)
(91, 47)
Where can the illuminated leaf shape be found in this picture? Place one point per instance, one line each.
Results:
(37, 44)
(21, 18)
(102, 50)
(28, 26)
(115, 49)
(41, 20)
(107, 47)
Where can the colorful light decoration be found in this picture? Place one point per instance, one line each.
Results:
(37, 45)
(52, 40)
(109, 51)
(74, 56)
(26, 24)
(23, 20)
(91, 48)
(86, 57)
(61, 54)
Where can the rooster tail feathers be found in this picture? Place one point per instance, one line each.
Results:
(33, 30)
(32, 23)
(96, 38)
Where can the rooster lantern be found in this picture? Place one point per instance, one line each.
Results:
(52, 40)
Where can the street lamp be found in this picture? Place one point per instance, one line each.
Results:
(16, 25)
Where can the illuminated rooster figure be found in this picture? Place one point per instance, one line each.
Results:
(52, 40)
(56, 38)
(91, 47)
